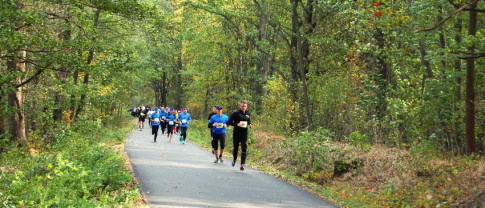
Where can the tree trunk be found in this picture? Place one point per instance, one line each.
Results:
(300, 50)
(470, 84)
(62, 76)
(3, 128)
(72, 107)
(295, 76)
(264, 65)
(442, 39)
(384, 72)
(429, 72)
(179, 95)
(458, 133)
(82, 101)
(164, 89)
(16, 100)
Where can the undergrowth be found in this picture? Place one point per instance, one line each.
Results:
(78, 165)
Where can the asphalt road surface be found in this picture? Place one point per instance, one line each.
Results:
(185, 175)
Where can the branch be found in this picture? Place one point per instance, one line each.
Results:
(37, 73)
(449, 17)
(472, 55)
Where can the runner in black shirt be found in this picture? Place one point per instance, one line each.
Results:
(241, 121)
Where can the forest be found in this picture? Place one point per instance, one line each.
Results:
(329, 83)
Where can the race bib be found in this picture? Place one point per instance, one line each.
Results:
(220, 125)
(156, 120)
(142, 114)
(163, 117)
(244, 124)
(170, 122)
(184, 120)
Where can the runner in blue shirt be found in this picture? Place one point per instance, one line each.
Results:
(163, 116)
(184, 120)
(219, 125)
(155, 123)
(170, 120)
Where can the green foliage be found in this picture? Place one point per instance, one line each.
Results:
(309, 151)
(359, 140)
(79, 169)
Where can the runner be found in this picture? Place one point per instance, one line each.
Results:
(241, 120)
(155, 123)
(177, 123)
(219, 125)
(142, 113)
(170, 119)
(163, 116)
(184, 119)
(149, 113)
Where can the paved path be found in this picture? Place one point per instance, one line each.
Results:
(184, 175)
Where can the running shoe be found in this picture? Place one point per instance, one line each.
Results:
(241, 168)
(183, 142)
(217, 160)
(220, 159)
(233, 163)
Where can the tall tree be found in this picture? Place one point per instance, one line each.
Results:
(470, 82)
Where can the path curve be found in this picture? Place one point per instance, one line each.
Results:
(184, 175)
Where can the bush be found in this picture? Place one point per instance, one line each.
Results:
(78, 169)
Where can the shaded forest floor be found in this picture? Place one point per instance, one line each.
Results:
(384, 177)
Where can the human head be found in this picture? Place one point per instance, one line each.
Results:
(214, 109)
(244, 105)
(218, 109)
(184, 110)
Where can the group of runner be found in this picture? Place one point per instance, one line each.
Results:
(173, 121)
(166, 119)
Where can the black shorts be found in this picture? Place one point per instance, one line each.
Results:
(218, 138)
(170, 129)
(142, 118)
(155, 129)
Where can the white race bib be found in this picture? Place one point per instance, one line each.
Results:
(170, 122)
(220, 125)
(156, 120)
(184, 120)
(163, 117)
(244, 124)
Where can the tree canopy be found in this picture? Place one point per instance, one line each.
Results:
(397, 72)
